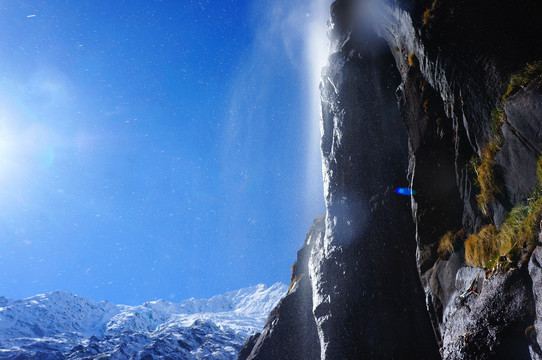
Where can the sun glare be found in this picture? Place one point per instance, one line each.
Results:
(24, 149)
(10, 161)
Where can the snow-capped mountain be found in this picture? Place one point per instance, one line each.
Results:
(60, 325)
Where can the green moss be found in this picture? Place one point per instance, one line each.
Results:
(529, 73)
(471, 167)
(524, 230)
(539, 170)
(499, 118)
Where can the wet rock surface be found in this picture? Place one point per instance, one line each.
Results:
(290, 330)
(447, 65)
(363, 272)
(491, 325)
(458, 78)
(523, 140)
(535, 271)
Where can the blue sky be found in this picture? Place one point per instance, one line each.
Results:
(156, 149)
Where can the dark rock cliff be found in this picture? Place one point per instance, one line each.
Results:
(413, 97)
(367, 297)
(290, 331)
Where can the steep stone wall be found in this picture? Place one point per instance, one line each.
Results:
(290, 331)
(464, 54)
(447, 64)
(367, 296)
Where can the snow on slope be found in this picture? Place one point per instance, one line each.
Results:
(54, 313)
(60, 325)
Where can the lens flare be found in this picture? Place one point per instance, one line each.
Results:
(406, 191)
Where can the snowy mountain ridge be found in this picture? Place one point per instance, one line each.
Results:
(60, 325)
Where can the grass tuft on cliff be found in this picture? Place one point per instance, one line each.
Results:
(499, 118)
(429, 12)
(485, 166)
(486, 176)
(482, 246)
(539, 170)
(529, 73)
(492, 247)
(449, 243)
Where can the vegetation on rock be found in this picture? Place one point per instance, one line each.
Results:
(529, 73)
(485, 167)
(482, 246)
(486, 178)
(429, 13)
(449, 243)
(492, 247)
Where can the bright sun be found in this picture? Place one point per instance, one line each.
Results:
(24, 148)
(10, 154)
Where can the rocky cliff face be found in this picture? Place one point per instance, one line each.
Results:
(290, 330)
(413, 97)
